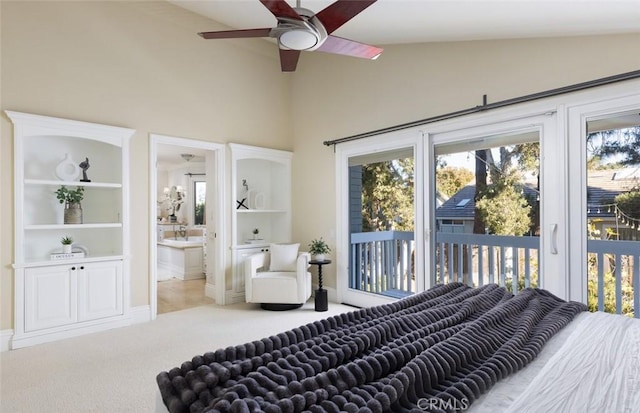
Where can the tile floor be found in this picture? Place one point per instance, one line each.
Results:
(175, 294)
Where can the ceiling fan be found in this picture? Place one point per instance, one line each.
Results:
(300, 30)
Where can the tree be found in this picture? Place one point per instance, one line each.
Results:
(481, 187)
(629, 203)
(622, 143)
(523, 157)
(504, 208)
(451, 179)
(388, 195)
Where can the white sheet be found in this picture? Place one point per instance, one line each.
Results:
(592, 365)
(596, 370)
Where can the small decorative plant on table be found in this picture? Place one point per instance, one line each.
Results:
(71, 200)
(67, 244)
(318, 249)
(256, 232)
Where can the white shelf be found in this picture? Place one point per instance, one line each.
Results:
(78, 295)
(261, 211)
(73, 226)
(44, 263)
(72, 183)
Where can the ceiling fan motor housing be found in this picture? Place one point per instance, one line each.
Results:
(293, 34)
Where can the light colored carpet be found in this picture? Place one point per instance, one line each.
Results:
(114, 371)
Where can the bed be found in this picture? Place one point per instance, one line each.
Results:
(451, 348)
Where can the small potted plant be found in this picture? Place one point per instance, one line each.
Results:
(256, 232)
(318, 249)
(71, 199)
(67, 244)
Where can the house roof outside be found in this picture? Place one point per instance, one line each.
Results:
(603, 187)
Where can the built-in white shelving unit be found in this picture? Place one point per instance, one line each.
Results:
(62, 298)
(261, 196)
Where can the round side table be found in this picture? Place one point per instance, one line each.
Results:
(321, 302)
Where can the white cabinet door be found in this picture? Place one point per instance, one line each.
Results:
(100, 290)
(50, 297)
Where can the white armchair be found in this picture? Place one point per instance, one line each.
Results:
(276, 284)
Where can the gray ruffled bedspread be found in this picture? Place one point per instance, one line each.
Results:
(435, 351)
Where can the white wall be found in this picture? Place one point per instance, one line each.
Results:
(141, 65)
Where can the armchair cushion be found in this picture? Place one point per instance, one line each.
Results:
(283, 257)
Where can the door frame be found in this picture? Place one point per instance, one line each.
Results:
(215, 215)
(409, 138)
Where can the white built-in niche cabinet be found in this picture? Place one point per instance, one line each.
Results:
(261, 196)
(59, 298)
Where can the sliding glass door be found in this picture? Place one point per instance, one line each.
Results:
(605, 139)
(497, 190)
(487, 215)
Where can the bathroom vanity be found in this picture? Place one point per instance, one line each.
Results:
(180, 258)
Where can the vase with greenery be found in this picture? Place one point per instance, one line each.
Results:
(319, 249)
(71, 199)
(67, 244)
(256, 232)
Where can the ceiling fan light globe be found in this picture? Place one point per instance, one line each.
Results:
(298, 39)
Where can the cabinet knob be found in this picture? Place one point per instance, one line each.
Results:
(82, 268)
(73, 268)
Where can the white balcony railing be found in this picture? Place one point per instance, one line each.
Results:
(477, 259)
(383, 263)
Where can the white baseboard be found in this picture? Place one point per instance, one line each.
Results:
(210, 290)
(140, 314)
(232, 297)
(5, 339)
(60, 333)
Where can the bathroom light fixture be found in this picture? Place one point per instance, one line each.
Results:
(187, 156)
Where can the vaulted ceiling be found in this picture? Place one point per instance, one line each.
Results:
(416, 21)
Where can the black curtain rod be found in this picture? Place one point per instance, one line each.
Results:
(487, 106)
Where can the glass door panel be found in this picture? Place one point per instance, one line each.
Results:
(382, 222)
(487, 210)
(612, 165)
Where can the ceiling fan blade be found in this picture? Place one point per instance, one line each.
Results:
(233, 34)
(340, 12)
(289, 60)
(338, 45)
(280, 8)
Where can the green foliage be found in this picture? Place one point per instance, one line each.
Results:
(451, 179)
(66, 240)
(533, 282)
(318, 246)
(500, 206)
(199, 214)
(629, 203)
(388, 195)
(609, 294)
(74, 196)
(504, 209)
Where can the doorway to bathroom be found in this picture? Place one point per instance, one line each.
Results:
(186, 229)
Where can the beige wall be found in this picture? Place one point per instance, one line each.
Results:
(335, 97)
(140, 65)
